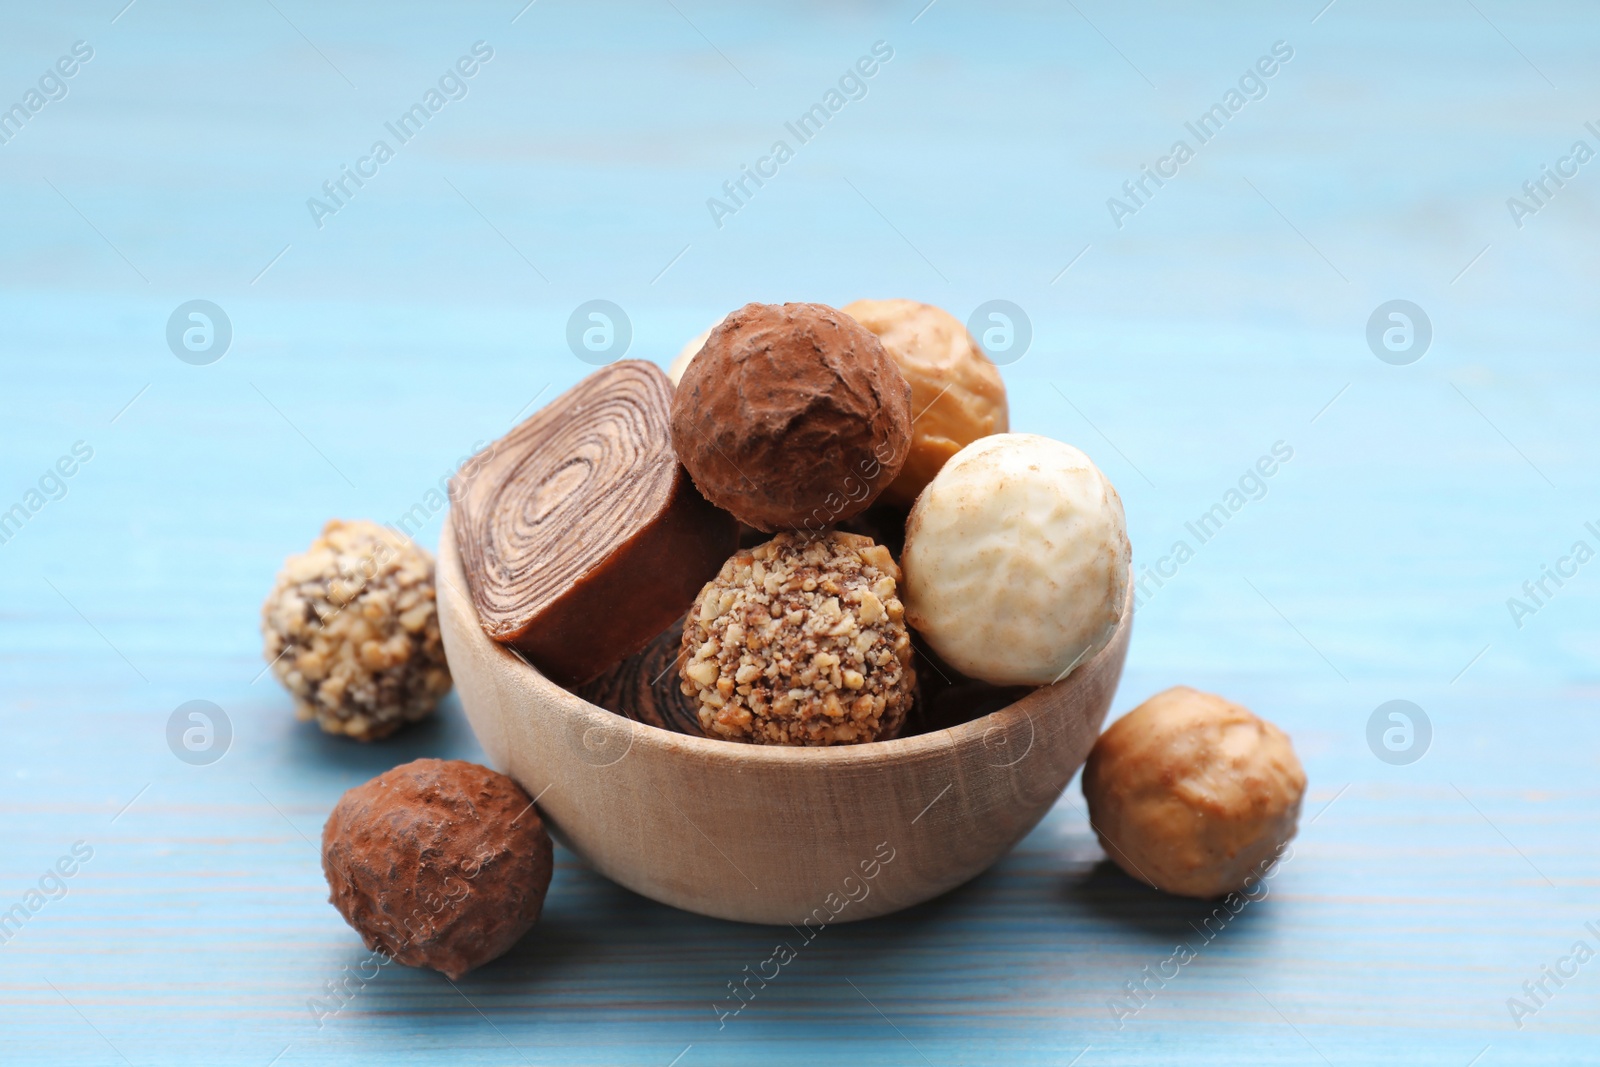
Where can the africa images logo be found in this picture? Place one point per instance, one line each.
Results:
(199, 332)
(52, 86)
(1252, 85)
(852, 85)
(452, 85)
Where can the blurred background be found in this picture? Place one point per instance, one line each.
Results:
(361, 337)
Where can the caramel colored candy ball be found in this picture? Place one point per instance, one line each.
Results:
(1193, 794)
(792, 417)
(956, 392)
(437, 863)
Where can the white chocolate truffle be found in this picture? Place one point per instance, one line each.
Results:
(1016, 560)
(1193, 794)
(690, 350)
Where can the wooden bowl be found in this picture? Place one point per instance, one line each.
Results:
(768, 834)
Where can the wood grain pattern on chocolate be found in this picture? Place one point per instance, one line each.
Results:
(580, 534)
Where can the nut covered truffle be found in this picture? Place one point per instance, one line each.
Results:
(1016, 560)
(956, 391)
(800, 641)
(437, 863)
(792, 417)
(1192, 793)
(352, 631)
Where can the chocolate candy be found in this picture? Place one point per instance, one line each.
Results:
(801, 641)
(1016, 560)
(956, 391)
(437, 863)
(1193, 793)
(644, 687)
(793, 417)
(352, 631)
(581, 536)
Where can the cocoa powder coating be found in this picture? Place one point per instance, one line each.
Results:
(437, 863)
(792, 417)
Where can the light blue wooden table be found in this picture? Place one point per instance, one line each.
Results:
(1228, 312)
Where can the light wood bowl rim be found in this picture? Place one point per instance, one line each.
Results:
(871, 754)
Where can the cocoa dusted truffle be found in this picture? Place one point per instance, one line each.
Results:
(801, 641)
(437, 863)
(792, 416)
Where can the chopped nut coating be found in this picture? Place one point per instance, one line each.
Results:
(801, 641)
(352, 631)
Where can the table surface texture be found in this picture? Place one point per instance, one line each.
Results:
(1418, 544)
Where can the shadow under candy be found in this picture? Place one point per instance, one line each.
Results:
(1109, 893)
